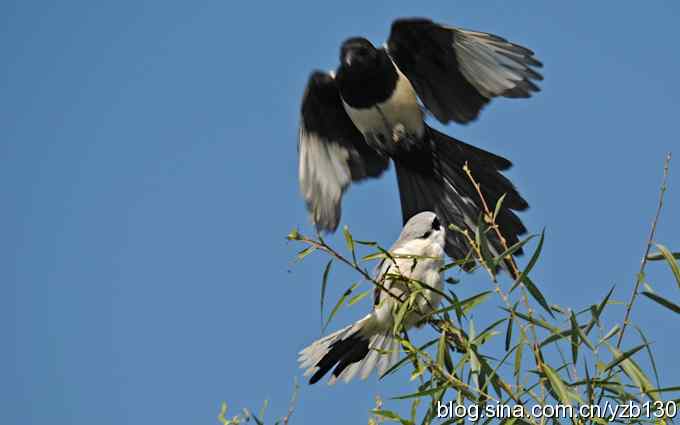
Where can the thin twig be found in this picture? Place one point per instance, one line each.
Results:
(514, 270)
(643, 264)
(326, 248)
(491, 221)
(293, 401)
(650, 241)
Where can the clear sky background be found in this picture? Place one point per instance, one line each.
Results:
(148, 176)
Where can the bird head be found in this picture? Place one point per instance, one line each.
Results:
(358, 53)
(424, 226)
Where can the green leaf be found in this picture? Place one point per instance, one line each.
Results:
(657, 256)
(589, 386)
(518, 353)
(557, 384)
(493, 375)
(598, 310)
(223, 412)
(424, 393)
(469, 303)
(663, 301)
(579, 331)
(574, 338)
(399, 316)
(508, 331)
(556, 336)
(620, 357)
(339, 304)
(514, 248)
(488, 332)
(670, 259)
(373, 256)
(324, 283)
(388, 414)
(475, 367)
(442, 349)
(464, 306)
(535, 321)
(358, 297)
(648, 287)
(649, 353)
(633, 371)
(263, 409)
(366, 243)
(350, 242)
(532, 261)
(536, 294)
(414, 409)
(305, 252)
(613, 331)
(499, 203)
(666, 390)
(483, 244)
(408, 358)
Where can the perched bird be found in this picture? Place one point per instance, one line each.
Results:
(355, 120)
(359, 348)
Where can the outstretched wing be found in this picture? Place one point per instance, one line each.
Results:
(455, 71)
(332, 152)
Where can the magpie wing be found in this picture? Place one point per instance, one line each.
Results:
(332, 151)
(456, 72)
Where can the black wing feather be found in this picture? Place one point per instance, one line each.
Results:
(455, 71)
(332, 151)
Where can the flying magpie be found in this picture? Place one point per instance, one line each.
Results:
(358, 348)
(355, 120)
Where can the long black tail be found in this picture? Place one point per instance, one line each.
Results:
(432, 179)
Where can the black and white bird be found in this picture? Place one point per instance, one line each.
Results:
(369, 343)
(356, 119)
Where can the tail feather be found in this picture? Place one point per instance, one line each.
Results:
(433, 179)
(351, 351)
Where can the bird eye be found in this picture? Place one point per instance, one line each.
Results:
(436, 225)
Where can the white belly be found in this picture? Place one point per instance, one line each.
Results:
(401, 108)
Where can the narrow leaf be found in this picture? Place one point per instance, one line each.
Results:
(358, 297)
(597, 311)
(514, 248)
(350, 242)
(532, 261)
(508, 332)
(499, 203)
(663, 301)
(421, 393)
(633, 371)
(657, 256)
(649, 353)
(619, 357)
(339, 304)
(324, 283)
(557, 384)
(671, 260)
(614, 330)
(574, 338)
(305, 252)
(536, 294)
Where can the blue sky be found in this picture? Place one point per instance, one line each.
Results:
(148, 172)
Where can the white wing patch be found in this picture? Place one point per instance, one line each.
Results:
(324, 176)
(493, 65)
